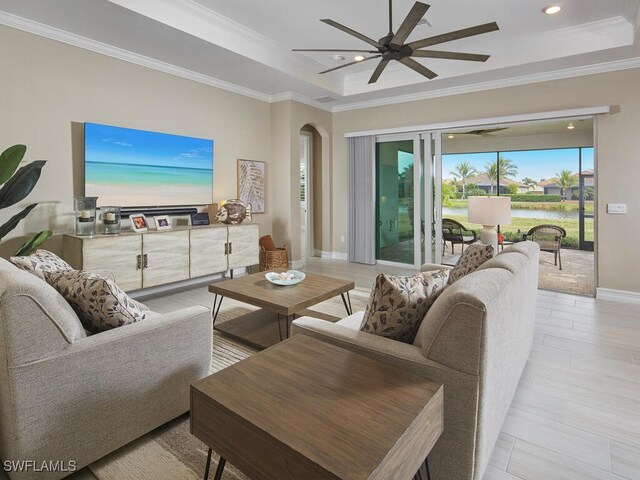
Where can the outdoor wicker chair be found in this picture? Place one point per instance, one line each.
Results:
(549, 237)
(455, 233)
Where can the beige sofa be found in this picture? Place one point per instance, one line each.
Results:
(475, 340)
(68, 397)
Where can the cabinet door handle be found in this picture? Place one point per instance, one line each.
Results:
(146, 261)
(230, 248)
(226, 249)
(138, 262)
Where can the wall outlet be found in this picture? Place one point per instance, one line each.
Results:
(342, 239)
(617, 208)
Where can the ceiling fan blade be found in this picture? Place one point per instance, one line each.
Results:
(378, 71)
(352, 32)
(472, 57)
(330, 50)
(410, 22)
(418, 67)
(351, 63)
(458, 34)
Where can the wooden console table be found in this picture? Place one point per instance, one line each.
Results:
(306, 409)
(142, 260)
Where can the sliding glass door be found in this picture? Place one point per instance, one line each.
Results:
(405, 194)
(395, 229)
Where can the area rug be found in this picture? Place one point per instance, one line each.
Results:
(170, 452)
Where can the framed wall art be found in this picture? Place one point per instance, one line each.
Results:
(252, 176)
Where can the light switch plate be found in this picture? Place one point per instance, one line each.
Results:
(617, 208)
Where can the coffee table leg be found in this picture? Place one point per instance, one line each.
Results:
(347, 306)
(279, 327)
(220, 469)
(426, 464)
(206, 468)
(216, 309)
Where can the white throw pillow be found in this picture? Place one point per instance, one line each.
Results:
(397, 305)
(41, 262)
(99, 303)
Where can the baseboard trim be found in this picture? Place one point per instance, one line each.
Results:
(617, 295)
(296, 264)
(334, 256)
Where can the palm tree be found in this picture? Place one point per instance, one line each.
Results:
(529, 182)
(566, 180)
(464, 171)
(503, 168)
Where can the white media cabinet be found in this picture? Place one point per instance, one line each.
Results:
(143, 260)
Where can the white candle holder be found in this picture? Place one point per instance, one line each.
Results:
(110, 220)
(85, 208)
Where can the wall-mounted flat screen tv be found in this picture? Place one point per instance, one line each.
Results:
(136, 168)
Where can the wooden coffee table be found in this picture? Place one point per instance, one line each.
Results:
(306, 409)
(279, 304)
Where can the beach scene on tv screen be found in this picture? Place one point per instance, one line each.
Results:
(126, 167)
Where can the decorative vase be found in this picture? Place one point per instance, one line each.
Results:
(85, 208)
(110, 220)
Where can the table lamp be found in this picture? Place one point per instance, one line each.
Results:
(490, 212)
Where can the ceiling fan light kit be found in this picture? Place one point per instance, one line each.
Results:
(392, 47)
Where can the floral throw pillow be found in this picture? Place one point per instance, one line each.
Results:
(397, 305)
(474, 256)
(98, 301)
(41, 262)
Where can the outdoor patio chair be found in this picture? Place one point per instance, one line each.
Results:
(455, 233)
(549, 237)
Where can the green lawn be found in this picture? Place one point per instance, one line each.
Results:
(520, 226)
(568, 206)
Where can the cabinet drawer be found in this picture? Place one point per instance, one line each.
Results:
(166, 257)
(207, 247)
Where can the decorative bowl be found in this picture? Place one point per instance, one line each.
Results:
(294, 277)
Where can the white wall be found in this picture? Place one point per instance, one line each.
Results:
(618, 145)
(46, 87)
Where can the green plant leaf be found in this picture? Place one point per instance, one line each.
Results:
(9, 161)
(13, 221)
(21, 184)
(30, 246)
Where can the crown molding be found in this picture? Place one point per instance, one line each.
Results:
(614, 66)
(201, 22)
(56, 34)
(296, 97)
(53, 33)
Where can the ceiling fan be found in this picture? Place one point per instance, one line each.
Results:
(487, 132)
(393, 46)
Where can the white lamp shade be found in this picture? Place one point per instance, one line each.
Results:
(490, 210)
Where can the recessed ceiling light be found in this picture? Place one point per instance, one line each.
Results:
(358, 58)
(338, 58)
(552, 9)
(571, 126)
(451, 135)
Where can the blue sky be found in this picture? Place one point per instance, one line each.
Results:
(106, 144)
(535, 164)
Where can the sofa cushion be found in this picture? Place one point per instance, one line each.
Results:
(41, 262)
(98, 301)
(474, 256)
(397, 305)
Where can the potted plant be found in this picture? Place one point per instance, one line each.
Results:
(17, 184)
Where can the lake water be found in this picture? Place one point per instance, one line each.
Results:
(547, 214)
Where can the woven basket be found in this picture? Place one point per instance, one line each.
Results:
(274, 259)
